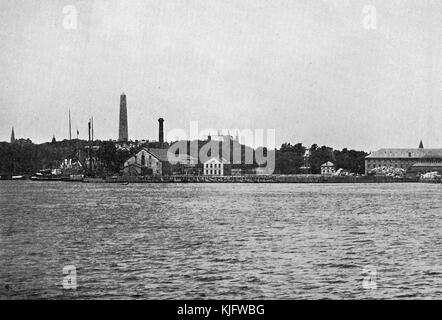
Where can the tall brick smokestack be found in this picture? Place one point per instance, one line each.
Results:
(123, 132)
(161, 131)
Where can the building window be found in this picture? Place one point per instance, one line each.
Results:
(143, 160)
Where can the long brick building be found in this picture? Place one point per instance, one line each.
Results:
(402, 158)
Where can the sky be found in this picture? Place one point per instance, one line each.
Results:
(356, 74)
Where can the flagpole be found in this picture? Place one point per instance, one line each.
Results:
(70, 126)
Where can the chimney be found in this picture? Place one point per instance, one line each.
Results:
(161, 131)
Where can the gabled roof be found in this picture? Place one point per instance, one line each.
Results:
(160, 154)
(328, 164)
(219, 159)
(406, 153)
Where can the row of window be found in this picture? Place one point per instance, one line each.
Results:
(388, 164)
(143, 159)
(214, 172)
(213, 165)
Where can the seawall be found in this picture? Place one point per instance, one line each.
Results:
(253, 179)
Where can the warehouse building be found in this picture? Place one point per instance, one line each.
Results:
(402, 158)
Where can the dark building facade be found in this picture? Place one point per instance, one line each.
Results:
(123, 128)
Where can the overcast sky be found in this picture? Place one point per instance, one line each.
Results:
(307, 68)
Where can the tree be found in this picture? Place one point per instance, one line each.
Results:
(351, 160)
(289, 158)
(319, 156)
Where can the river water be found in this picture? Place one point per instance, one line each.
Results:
(221, 241)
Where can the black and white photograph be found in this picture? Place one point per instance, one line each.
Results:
(220, 150)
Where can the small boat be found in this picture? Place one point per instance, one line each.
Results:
(18, 177)
(76, 178)
(47, 175)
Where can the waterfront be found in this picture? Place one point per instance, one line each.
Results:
(220, 241)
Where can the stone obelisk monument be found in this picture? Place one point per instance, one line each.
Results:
(123, 131)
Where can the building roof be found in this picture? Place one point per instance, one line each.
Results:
(219, 159)
(328, 164)
(165, 156)
(160, 154)
(427, 164)
(181, 159)
(405, 153)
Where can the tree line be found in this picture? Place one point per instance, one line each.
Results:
(25, 157)
(290, 159)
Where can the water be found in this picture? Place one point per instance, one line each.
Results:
(221, 241)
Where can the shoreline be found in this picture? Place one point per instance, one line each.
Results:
(298, 179)
(253, 179)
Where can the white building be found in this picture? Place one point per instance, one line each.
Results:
(328, 168)
(215, 167)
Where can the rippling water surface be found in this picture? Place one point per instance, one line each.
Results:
(221, 241)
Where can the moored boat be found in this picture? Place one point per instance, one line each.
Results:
(46, 175)
(76, 178)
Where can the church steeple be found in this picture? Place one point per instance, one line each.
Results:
(12, 136)
(421, 145)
